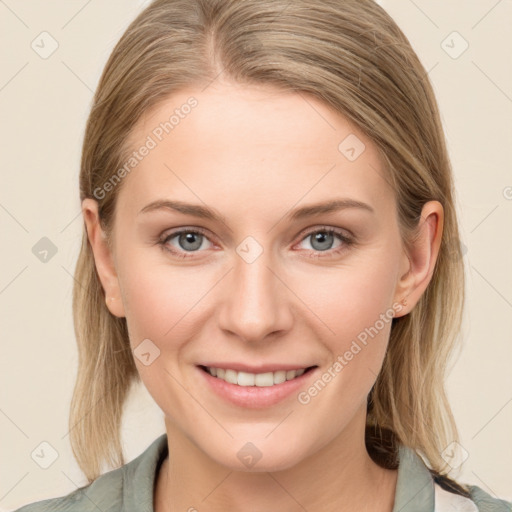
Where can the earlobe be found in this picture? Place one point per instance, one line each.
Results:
(421, 257)
(103, 257)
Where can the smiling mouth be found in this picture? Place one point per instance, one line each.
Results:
(246, 379)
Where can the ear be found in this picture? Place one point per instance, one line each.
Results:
(103, 257)
(420, 259)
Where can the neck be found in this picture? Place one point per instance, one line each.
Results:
(340, 477)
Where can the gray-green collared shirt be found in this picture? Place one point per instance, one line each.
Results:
(130, 489)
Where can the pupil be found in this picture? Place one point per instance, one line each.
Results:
(188, 238)
(324, 239)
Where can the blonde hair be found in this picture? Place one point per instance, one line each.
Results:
(353, 57)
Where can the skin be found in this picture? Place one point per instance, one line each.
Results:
(253, 154)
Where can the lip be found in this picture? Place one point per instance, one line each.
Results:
(262, 368)
(255, 397)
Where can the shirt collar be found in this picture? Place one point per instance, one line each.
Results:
(415, 485)
(414, 488)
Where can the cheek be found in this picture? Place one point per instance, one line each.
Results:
(350, 300)
(355, 309)
(352, 311)
(161, 305)
(160, 300)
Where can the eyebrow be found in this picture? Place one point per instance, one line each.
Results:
(300, 213)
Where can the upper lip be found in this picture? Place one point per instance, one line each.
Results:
(262, 368)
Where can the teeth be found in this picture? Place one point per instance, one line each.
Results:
(245, 379)
(231, 377)
(254, 379)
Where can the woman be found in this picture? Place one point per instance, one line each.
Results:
(297, 347)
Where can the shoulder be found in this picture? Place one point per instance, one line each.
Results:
(130, 485)
(419, 489)
(485, 502)
(477, 501)
(105, 493)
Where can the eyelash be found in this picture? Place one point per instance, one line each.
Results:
(347, 242)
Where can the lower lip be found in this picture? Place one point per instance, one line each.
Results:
(255, 397)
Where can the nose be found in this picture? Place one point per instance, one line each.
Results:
(256, 303)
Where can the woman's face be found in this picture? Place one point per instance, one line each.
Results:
(264, 286)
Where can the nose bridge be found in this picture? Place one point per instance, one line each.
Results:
(256, 303)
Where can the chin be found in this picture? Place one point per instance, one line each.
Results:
(256, 456)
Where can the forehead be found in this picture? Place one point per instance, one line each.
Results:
(249, 144)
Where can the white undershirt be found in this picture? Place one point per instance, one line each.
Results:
(446, 501)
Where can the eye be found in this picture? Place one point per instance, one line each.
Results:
(187, 241)
(322, 239)
(190, 241)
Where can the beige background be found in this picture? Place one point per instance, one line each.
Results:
(44, 104)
